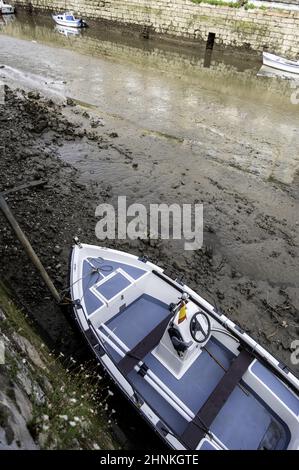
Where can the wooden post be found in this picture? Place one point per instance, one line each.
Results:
(28, 248)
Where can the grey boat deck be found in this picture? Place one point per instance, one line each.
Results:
(244, 422)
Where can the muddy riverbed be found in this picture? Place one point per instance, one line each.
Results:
(154, 136)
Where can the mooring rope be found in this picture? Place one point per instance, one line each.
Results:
(101, 268)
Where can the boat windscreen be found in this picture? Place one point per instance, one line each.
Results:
(69, 18)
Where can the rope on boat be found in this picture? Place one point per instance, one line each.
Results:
(102, 267)
(95, 270)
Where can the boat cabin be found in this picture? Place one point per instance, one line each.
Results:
(66, 17)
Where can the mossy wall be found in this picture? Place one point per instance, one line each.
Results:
(275, 29)
(46, 401)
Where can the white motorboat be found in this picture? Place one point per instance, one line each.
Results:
(6, 9)
(69, 20)
(198, 379)
(276, 62)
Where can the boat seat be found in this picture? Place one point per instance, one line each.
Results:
(196, 429)
(146, 345)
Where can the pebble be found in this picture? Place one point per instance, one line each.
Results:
(70, 102)
(34, 95)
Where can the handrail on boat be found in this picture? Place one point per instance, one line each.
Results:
(151, 374)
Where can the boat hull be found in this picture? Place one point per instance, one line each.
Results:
(69, 24)
(279, 63)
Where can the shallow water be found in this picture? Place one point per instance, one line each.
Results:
(162, 89)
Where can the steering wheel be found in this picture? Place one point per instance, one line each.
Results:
(200, 327)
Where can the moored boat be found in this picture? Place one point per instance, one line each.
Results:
(276, 62)
(198, 379)
(6, 9)
(69, 20)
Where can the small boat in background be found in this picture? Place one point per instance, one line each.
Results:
(69, 20)
(276, 62)
(6, 9)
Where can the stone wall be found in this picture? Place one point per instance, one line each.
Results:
(287, 2)
(35, 391)
(273, 29)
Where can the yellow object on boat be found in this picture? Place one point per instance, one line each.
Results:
(182, 314)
